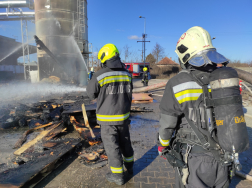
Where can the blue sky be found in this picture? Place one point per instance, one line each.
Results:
(118, 22)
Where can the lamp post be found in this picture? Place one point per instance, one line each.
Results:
(144, 36)
(144, 22)
(144, 41)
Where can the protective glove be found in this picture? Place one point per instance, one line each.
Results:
(160, 151)
(240, 86)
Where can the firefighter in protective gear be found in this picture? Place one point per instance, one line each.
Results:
(91, 72)
(112, 86)
(183, 115)
(145, 76)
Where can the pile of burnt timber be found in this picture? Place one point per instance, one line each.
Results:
(94, 156)
(52, 121)
(35, 159)
(35, 165)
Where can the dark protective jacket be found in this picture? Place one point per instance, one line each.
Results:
(180, 96)
(112, 86)
(184, 114)
(145, 76)
(90, 75)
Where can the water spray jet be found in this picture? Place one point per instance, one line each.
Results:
(15, 50)
(17, 92)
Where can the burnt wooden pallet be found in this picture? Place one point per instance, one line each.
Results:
(71, 109)
(141, 98)
(33, 171)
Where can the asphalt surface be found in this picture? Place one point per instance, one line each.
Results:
(150, 170)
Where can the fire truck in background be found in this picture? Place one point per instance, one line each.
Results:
(136, 69)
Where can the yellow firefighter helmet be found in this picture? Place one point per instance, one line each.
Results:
(107, 52)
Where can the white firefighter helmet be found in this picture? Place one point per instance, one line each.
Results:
(92, 69)
(195, 47)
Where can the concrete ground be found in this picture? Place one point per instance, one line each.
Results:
(150, 170)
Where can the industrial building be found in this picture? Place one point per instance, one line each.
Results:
(62, 32)
(9, 67)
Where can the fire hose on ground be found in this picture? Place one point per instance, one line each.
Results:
(149, 88)
(245, 176)
(243, 75)
(247, 87)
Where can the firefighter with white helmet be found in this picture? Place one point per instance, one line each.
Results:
(195, 48)
(112, 86)
(202, 126)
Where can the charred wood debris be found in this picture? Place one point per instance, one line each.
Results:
(54, 121)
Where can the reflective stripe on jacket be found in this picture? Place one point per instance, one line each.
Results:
(188, 91)
(112, 77)
(113, 90)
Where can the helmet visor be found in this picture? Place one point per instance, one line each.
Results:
(205, 57)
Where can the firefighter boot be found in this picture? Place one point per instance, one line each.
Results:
(129, 167)
(116, 178)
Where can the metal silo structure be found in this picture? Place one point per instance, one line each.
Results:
(62, 26)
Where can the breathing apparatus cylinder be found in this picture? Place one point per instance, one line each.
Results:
(227, 103)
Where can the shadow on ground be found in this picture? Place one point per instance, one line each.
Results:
(145, 161)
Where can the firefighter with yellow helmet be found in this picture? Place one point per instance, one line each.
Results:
(145, 76)
(112, 86)
(202, 127)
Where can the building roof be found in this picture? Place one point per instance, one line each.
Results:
(11, 50)
(166, 61)
(32, 63)
(136, 62)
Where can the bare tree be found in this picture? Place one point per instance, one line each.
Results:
(158, 52)
(127, 52)
(150, 58)
(135, 57)
(120, 51)
(98, 62)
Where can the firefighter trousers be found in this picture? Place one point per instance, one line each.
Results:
(117, 144)
(204, 172)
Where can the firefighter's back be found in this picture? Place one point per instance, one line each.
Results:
(114, 99)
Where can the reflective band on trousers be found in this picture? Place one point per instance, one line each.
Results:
(128, 159)
(164, 142)
(121, 117)
(116, 170)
